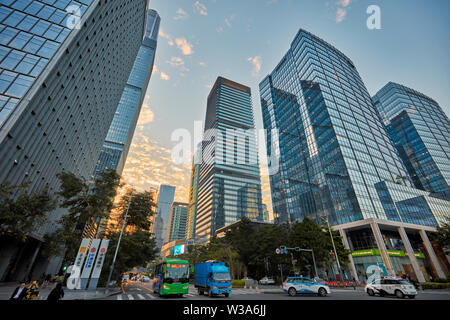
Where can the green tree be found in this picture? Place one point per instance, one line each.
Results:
(22, 211)
(442, 236)
(142, 207)
(86, 204)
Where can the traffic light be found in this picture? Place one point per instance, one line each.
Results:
(64, 268)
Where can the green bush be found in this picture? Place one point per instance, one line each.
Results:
(441, 280)
(238, 283)
(435, 285)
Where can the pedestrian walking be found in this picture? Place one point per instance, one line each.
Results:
(57, 293)
(32, 291)
(19, 293)
(46, 280)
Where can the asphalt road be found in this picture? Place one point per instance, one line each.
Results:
(143, 291)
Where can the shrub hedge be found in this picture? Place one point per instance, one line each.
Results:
(434, 285)
(238, 283)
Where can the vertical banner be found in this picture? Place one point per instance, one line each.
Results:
(73, 281)
(89, 264)
(98, 264)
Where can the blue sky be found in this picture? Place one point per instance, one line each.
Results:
(243, 40)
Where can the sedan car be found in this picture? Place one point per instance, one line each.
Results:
(391, 286)
(296, 285)
(267, 280)
(144, 279)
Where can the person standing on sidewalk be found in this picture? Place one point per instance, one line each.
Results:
(19, 293)
(32, 291)
(56, 294)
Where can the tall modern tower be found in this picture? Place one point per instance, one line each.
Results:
(336, 161)
(117, 143)
(420, 131)
(193, 193)
(177, 222)
(229, 186)
(61, 78)
(164, 206)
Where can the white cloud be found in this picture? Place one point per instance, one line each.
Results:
(175, 61)
(219, 29)
(181, 14)
(344, 3)
(155, 69)
(201, 63)
(146, 115)
(184, 46)
(200, 8)
(164, 76)
(165, 36)
(340, 14)
(228, 20)
(256, 61)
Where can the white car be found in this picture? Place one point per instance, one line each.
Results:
(391, 286)
(267, 280)
(144, 279)
(295, 285)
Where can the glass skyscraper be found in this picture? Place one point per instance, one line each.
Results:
(177, 223)
(229, 186)
(118, 141)
(420, 130)
(332, 147)
(193, 193)
(165, 199)
(63, 68)
(337, 161)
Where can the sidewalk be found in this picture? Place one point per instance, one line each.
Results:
(7, 288)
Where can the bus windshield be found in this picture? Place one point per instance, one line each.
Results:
(176, 272)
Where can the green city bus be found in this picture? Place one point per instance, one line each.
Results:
(171, 277)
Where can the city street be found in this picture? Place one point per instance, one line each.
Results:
(143, 291)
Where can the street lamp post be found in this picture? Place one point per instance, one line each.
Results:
(118, 244)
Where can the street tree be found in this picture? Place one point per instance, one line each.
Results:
(22, 211)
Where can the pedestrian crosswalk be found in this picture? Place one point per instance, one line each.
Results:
(150, 296)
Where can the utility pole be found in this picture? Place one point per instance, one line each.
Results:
(334, 248)
(118, 244)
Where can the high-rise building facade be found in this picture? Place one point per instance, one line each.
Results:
(193, 193)
(118, 141)
(63, 67)
(337, 162)
(420, 130)
(229, 186)
(164, 205)
(177, 222)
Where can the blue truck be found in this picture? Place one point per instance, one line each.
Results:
(212, 278)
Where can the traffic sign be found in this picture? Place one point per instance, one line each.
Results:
(278, 251)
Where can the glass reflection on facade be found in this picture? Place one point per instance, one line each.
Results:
(420, 131)
(331, 145)
(30, 33)
(229, 186)
(177, 222)
(193, 193)
(118, 141)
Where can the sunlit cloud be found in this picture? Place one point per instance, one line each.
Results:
(256, 61)
(181, 14)
(149, 165)
(184, 46)
(164, 76)
(340, 14)
(175, 61)
(219, 29)
(166, 36)
(341, 11)
(202, 64)
(228, 20)
(200, 8)
(146, 115)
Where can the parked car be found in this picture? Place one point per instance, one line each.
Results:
(144, 279)
(296, 285)
(267, 280)
(391, 286)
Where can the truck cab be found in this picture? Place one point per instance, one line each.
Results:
(213, 278)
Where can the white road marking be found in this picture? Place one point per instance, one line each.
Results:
(119, 297)
(140, 296)
(130, 297)
(150, 296)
